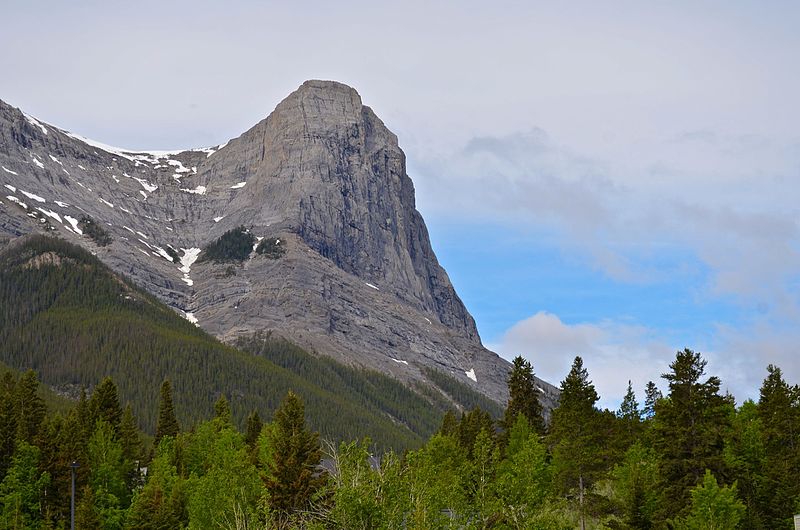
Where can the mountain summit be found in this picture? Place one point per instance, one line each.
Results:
(341, 262)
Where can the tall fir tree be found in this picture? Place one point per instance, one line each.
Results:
(293, 476)
(524, 397)
(779, 412)
(651, 396)
(29, 407)
(576, 437)
(689, 430)
(167, 424)
(8, 422)
(630, 418)
(253, 427)
(104, 404)
(129, 435)
(222, 411)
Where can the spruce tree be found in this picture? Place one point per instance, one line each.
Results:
(8, 422)
(104, 404)
(252, 429)
(294, 476)
(523, 397)
(779, 412)
(167, 424)
(576, 436)
(449, 425)
(129, 435)
(651, 396)
(30, 408)
(689, 429)
(630, 418)
(222, 411)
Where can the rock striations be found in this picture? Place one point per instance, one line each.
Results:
(358, 279)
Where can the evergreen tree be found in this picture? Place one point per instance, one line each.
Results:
(167, 424)
(222, 411)
(86, 515)
(779, 412)
(523, 398)
(30, 408)
(104, 404)
(471, 425)
(294, 476)
(651, 396)
(8, 422)
(449, 425)
(635, 486)
(575, 436)
(630, 418)
(689, 430)
(129, 435)
(253, 427)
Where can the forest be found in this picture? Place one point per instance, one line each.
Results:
(686, 459)
(67, 316)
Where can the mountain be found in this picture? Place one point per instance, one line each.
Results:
(66, 315)
(345, 267)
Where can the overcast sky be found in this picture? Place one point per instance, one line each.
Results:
(622, 178)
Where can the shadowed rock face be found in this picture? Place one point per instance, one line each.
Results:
(358, 281)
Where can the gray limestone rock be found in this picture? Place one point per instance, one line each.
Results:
(358, 281)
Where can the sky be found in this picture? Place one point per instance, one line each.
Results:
(616, 180)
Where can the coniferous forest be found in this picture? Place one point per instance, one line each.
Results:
(314, 444)
(688, 459)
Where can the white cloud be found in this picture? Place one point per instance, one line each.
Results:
(612, 352)
(615, 352)
(734, 206)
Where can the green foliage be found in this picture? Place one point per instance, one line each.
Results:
(93, 230)
(21, 489)
(293, 476)
(523, 397)
(222, 479)
(465, 397)
(689, 430)
(713, 507)
(167, 422)
(161, 503)
(234, 245)
(635, 486)
(104, 404)
(271, 247)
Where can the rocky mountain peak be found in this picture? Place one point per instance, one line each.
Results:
(322, 174)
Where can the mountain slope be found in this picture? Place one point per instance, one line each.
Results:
(63, 313)
(357, 279)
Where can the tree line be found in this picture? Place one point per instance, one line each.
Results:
(688, 459)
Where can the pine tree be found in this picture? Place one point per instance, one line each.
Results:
(167, 424)
(294, 476)
(222, 411)
(8, 422)
(651, 396)
(253, 428)
(471, 425)
(104, 404)
(779, 412)
(129, 435)
(689, 430)
(575, 436)
(449, 425)
(524, 397)
(630, 418)
(30, 408)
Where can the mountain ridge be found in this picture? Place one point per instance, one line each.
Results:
(322, 174)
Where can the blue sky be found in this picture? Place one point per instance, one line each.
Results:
(616, 180)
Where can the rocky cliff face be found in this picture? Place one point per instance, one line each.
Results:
(358, 280)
